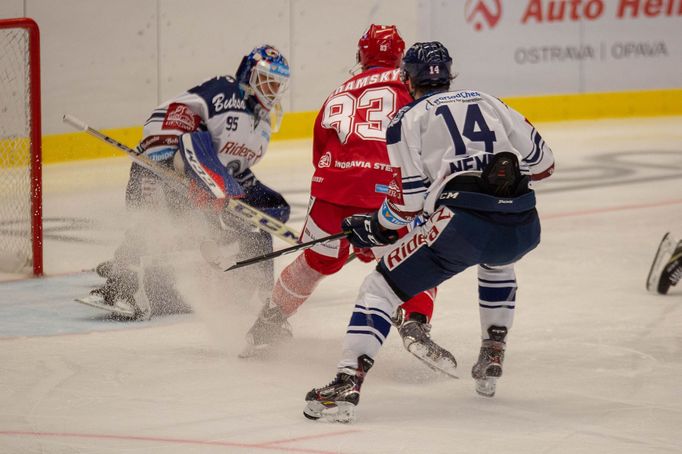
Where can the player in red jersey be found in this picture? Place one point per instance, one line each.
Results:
(352, 173)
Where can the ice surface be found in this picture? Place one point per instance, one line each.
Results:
(593, 361)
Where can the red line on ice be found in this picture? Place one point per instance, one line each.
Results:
(264, 446)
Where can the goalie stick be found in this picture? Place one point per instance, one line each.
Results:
(236, 207)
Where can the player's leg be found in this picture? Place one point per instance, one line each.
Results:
(413, 321)
(410, 267)
(298, 280)
(496, 302)
(502, 241)
(143, 196)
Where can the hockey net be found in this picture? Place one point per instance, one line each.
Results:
(20, 148)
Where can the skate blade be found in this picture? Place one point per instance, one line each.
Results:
(663, 254)
(254, 351)
(333, 412)
(442, 364)
(486, 386)
(120, 309)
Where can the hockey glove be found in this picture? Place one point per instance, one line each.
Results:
(363, 230)
(202, 166)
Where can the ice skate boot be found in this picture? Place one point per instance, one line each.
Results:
(270, 328)
(336, 402)
(416, 335)
(666, 270)
(108, 299)
(488, 368)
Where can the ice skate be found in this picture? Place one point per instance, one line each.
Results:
(666, 270)
(270, 328)
(104, 298)
(336, 402)
(488, 368)
(417, 340)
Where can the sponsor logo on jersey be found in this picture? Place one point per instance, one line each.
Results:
(159, 140)
(240, 150)
(352, 164)
(460, 96)
(318, 179)
(179, 116)
(325, 160)
(235, 103)
(162, 154)
(430, 232)
(395, 187)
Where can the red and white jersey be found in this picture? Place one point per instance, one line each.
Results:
(349, 139)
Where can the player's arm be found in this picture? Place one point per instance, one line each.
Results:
(405, 199)
(535, 152)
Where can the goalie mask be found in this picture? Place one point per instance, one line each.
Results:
(265, 74)
(382, 46)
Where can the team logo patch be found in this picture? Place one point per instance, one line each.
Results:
(395, 187)
(179, 116)
(325, 160)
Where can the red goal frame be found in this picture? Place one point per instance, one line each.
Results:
(36, 136)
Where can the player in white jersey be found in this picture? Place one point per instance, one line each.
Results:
(463, 159)
(212, 133)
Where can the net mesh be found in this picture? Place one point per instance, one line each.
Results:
(15, 151)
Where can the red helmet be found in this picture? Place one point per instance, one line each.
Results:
(381, 45)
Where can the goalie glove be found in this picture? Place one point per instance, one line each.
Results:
(202, 166)
(363, 231)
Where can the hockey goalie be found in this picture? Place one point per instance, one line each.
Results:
(212, 135)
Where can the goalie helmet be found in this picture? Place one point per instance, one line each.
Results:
(265, 74)
(381, 45)
(427, 65)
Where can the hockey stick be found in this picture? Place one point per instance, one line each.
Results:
(240, 209)
(272, 255)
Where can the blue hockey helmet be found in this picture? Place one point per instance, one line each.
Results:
(265, 74)
(427, 65)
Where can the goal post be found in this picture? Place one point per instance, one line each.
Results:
(21, 233)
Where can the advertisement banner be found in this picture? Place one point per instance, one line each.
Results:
(538, 47)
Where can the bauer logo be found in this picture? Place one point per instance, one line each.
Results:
(482, 14)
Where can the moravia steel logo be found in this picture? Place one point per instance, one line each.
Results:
(483, 13)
